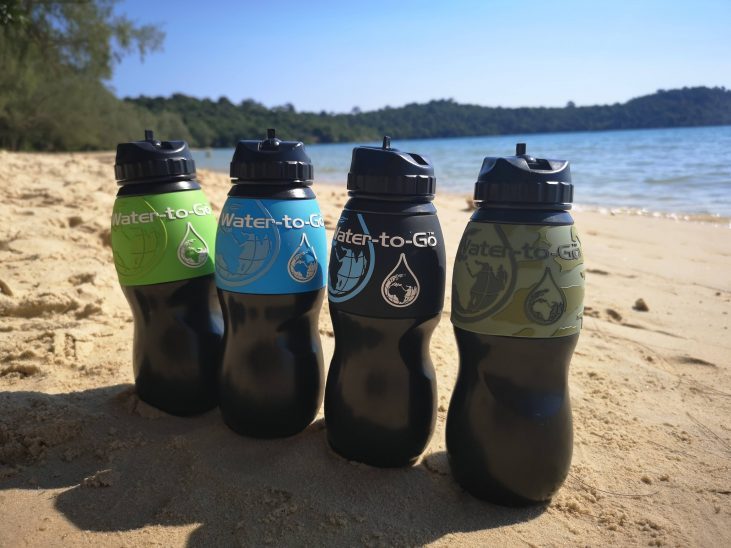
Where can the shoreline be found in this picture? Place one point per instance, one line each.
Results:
(685, 216)
(706, 218)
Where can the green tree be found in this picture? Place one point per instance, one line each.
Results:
(55, 57)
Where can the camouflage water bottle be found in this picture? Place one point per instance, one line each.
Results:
(517, 305)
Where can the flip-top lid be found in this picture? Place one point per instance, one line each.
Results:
(385, 170)
(271, 160)
(525, 181)
(153, 160)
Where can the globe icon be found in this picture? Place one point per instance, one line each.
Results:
(303, 266)
(399, 290)
(244, 256)
(138, 249)
(350, 268)
(400, 287)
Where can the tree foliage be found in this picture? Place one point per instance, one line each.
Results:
(54, 58)
(221, 123)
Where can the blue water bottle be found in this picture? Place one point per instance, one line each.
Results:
(270, 253)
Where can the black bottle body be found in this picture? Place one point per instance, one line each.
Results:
(177, 344)
(386, 291)
(272, 372)
(509, 427)
(381, 397)
(177, 320)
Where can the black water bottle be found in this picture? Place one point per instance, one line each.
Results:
(386, 292)
(270, 253)
(517, 306)
(162, 235)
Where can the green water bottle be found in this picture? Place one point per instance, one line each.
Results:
(163, 232)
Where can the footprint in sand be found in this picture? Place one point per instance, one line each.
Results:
(82, 278)
(613, 314)
(20, 369)
(5, 289)
(105, 236)
(75, 221)
(42, 304)
(89, 310)
(690, 360)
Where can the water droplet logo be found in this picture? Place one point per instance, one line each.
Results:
(546, 302)
(193, 249)
(302, 265)
(400, 288)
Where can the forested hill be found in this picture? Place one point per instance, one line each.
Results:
(209, 123)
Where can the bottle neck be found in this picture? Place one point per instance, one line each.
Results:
(549, 217)
(391, 197)
(271, 191)
(144, 188)
(413, 205)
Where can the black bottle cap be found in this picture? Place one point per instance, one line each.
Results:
(524, 181)
(151, 160)
(385, 170)
(272, 161)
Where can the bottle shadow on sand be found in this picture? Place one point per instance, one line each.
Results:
(125, 466)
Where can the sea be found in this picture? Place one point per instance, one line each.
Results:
(677, 172)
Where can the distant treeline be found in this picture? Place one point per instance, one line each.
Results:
(208, 123)
(56, 56)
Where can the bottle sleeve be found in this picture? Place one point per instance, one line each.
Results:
(162, 237)
(519, 280)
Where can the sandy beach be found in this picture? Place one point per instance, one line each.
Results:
(84, 462)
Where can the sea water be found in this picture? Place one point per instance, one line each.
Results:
(673, 171)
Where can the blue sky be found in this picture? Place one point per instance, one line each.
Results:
(334, 55)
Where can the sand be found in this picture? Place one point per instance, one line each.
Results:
(84, 462)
